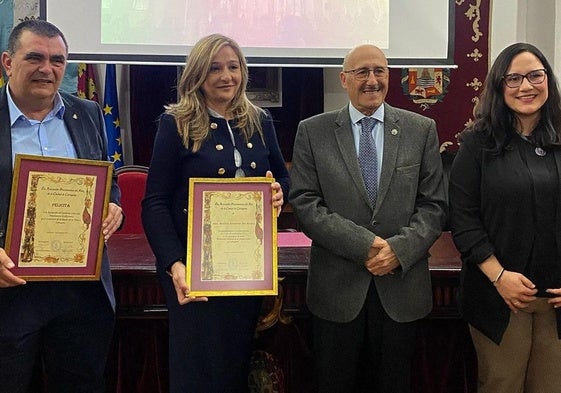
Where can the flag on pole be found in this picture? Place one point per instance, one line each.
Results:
(111, 115)
(87, 82)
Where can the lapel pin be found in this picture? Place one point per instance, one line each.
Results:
(394, 132)
(75, 116)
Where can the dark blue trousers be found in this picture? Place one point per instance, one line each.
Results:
(370, 354)
(63, 328)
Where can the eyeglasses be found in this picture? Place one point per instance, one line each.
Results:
(534, 77)
(362, 74)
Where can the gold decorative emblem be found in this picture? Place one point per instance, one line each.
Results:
(475, 55)
(474, 15)
(475, 84)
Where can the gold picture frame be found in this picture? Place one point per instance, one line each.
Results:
(56, 211)
(231, 237)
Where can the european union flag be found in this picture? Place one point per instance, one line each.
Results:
(111, 115)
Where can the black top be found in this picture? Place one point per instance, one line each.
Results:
(507, 205)
(544, 265)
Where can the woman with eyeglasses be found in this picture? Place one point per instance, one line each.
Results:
(212, 131)
(505, 212)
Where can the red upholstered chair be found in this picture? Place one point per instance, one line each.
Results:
(132, 182)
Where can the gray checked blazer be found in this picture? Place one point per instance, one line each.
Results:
(332, 208)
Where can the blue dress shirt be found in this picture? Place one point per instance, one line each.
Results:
(48, 137)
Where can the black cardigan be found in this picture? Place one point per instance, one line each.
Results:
(489, 214)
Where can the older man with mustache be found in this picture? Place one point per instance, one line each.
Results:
(367, 188)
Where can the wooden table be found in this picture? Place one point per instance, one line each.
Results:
(139, 295)
(445, 360)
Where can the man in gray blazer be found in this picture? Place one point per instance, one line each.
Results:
(64, 327)
(368, 278)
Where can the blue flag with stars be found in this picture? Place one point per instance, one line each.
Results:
(111, 115)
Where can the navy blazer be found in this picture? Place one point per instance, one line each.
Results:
(86, 127)
(164, 208)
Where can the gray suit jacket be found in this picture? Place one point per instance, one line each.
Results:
(85, 124)
(332, 208)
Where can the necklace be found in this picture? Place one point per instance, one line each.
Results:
(538, 150)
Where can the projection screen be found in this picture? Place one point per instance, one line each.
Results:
(315, 33)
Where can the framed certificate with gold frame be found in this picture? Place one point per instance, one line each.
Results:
(231, 237)
(56, 211)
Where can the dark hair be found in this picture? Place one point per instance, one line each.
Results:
(497, 122)
(36, 26)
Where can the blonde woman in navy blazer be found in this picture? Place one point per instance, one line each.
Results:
(213, 131)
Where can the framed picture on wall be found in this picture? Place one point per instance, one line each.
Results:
(265, 86)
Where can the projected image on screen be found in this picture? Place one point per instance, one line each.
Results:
(275, 33)
(253, 23)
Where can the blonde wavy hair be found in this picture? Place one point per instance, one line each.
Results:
(190, 112)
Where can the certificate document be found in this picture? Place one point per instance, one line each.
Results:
(57, 218)
(56, 209)
(231, 237)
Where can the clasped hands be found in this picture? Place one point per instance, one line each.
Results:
(381, 258)
(518, 291)
(110, 224)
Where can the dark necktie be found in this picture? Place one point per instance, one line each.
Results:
(368, 158)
